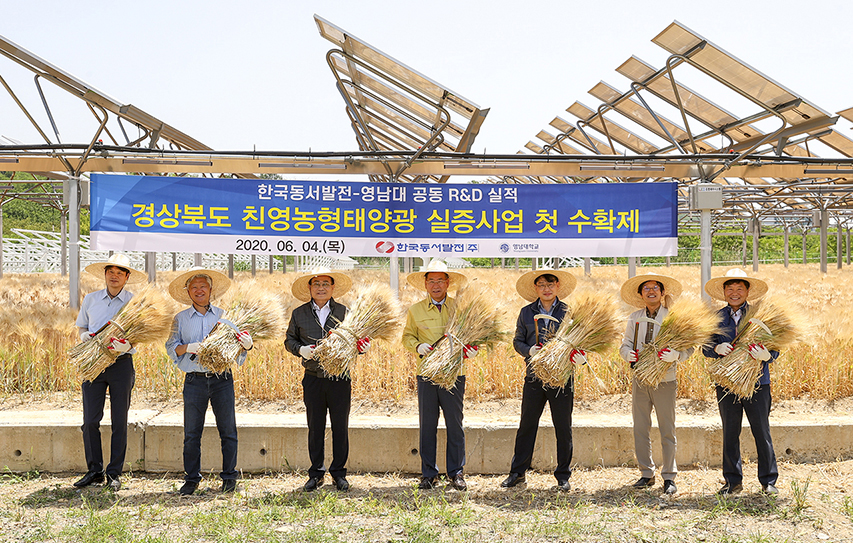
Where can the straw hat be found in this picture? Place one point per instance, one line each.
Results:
(118, 260)
(416, 279)
(757, 287)
(630, 295)
(178, 286)
(300, 287)
(527, 290)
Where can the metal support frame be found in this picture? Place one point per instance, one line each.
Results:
(705, 255)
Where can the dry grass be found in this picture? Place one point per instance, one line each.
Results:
(39, 328)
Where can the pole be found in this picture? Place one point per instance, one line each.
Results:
(1, 241)
(587, 266)
(756, 232)
(824, 224)
(705, 250)
(63, 244)
(839, 246)
(786, 246)
(74, 241)
(632, 266)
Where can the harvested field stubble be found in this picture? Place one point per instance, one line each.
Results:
(40, 328)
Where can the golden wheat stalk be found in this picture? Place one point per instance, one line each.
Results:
(142, 320)
(250, 309)
(473, 320)
(590, 325)
(375, 313)
(690, 322)
(738, 371)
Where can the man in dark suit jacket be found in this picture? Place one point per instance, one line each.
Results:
(321, 392)
(536, 323)
(736, 288)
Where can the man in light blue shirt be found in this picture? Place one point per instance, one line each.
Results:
(197, 288)
(97, 310)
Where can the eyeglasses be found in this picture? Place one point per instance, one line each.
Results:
(432, 282)
(323, 284)
(544, 284)
(651, 288)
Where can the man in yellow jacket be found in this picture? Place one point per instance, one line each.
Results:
(425, 325)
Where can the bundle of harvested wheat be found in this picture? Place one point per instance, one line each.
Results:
(768, 322)
(690, 322)
(474, 320)
(250, 309)
(375, 313)
(590, 325)
(142, 320)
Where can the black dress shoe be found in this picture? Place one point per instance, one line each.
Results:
(313, 484)
(188, 489)
(564, 486)
(512, 480)
(90, 478)
(729, 489)
(341, 483)
(645, 482)
(769, 489)
(669, 487)
(458, 482)
(427, 483)
(113, 483)
(229, 485)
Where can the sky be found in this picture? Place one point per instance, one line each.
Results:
(252, 74)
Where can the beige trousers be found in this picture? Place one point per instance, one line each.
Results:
(662, 399)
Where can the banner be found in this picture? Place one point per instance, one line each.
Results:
(340, 218)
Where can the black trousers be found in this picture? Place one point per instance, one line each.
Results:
(332, 396)
(534, 396)
(118, 379)
(431, 398)
(757, 411)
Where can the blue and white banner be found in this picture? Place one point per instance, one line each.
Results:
(340, 218)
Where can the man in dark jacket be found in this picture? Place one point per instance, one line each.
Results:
(736, 289)
(536, 324)
(321, 392)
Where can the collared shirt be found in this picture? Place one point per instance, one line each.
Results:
(738, 313)
(99, 307)
(190, 326)
(322, 312)
(438, 304)
(425, 323)
(650, 330)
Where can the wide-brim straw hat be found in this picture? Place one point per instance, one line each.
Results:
(630, 295)
(178, 286)
(526, 283)
(757, 287)
(119, 260)
(301, 290)
(416, 279)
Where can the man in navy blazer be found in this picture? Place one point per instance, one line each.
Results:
(737, 289)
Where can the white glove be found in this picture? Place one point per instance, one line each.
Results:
(424, 349)
(759, 352)
(668, 355)
(245, 340)
(723, 349)
(85, 336)
(363, 345)
(633, 356)
(533, 350)
(193, 348)
(307, 351)
(578, 357)
(120, 345)
(470, 351)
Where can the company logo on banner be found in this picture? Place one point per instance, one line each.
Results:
(195, 214)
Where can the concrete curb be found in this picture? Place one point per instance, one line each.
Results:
(51, 441)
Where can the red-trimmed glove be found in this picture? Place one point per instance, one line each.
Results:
(470, 351)
(759, 352)
(633, 356)
(245, 340)
(119, 345)
(578, 357)
(668, 355)
(363, 345)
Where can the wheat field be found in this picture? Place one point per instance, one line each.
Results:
(39, 328)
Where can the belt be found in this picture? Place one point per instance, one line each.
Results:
(210, 374)
(323, 375)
